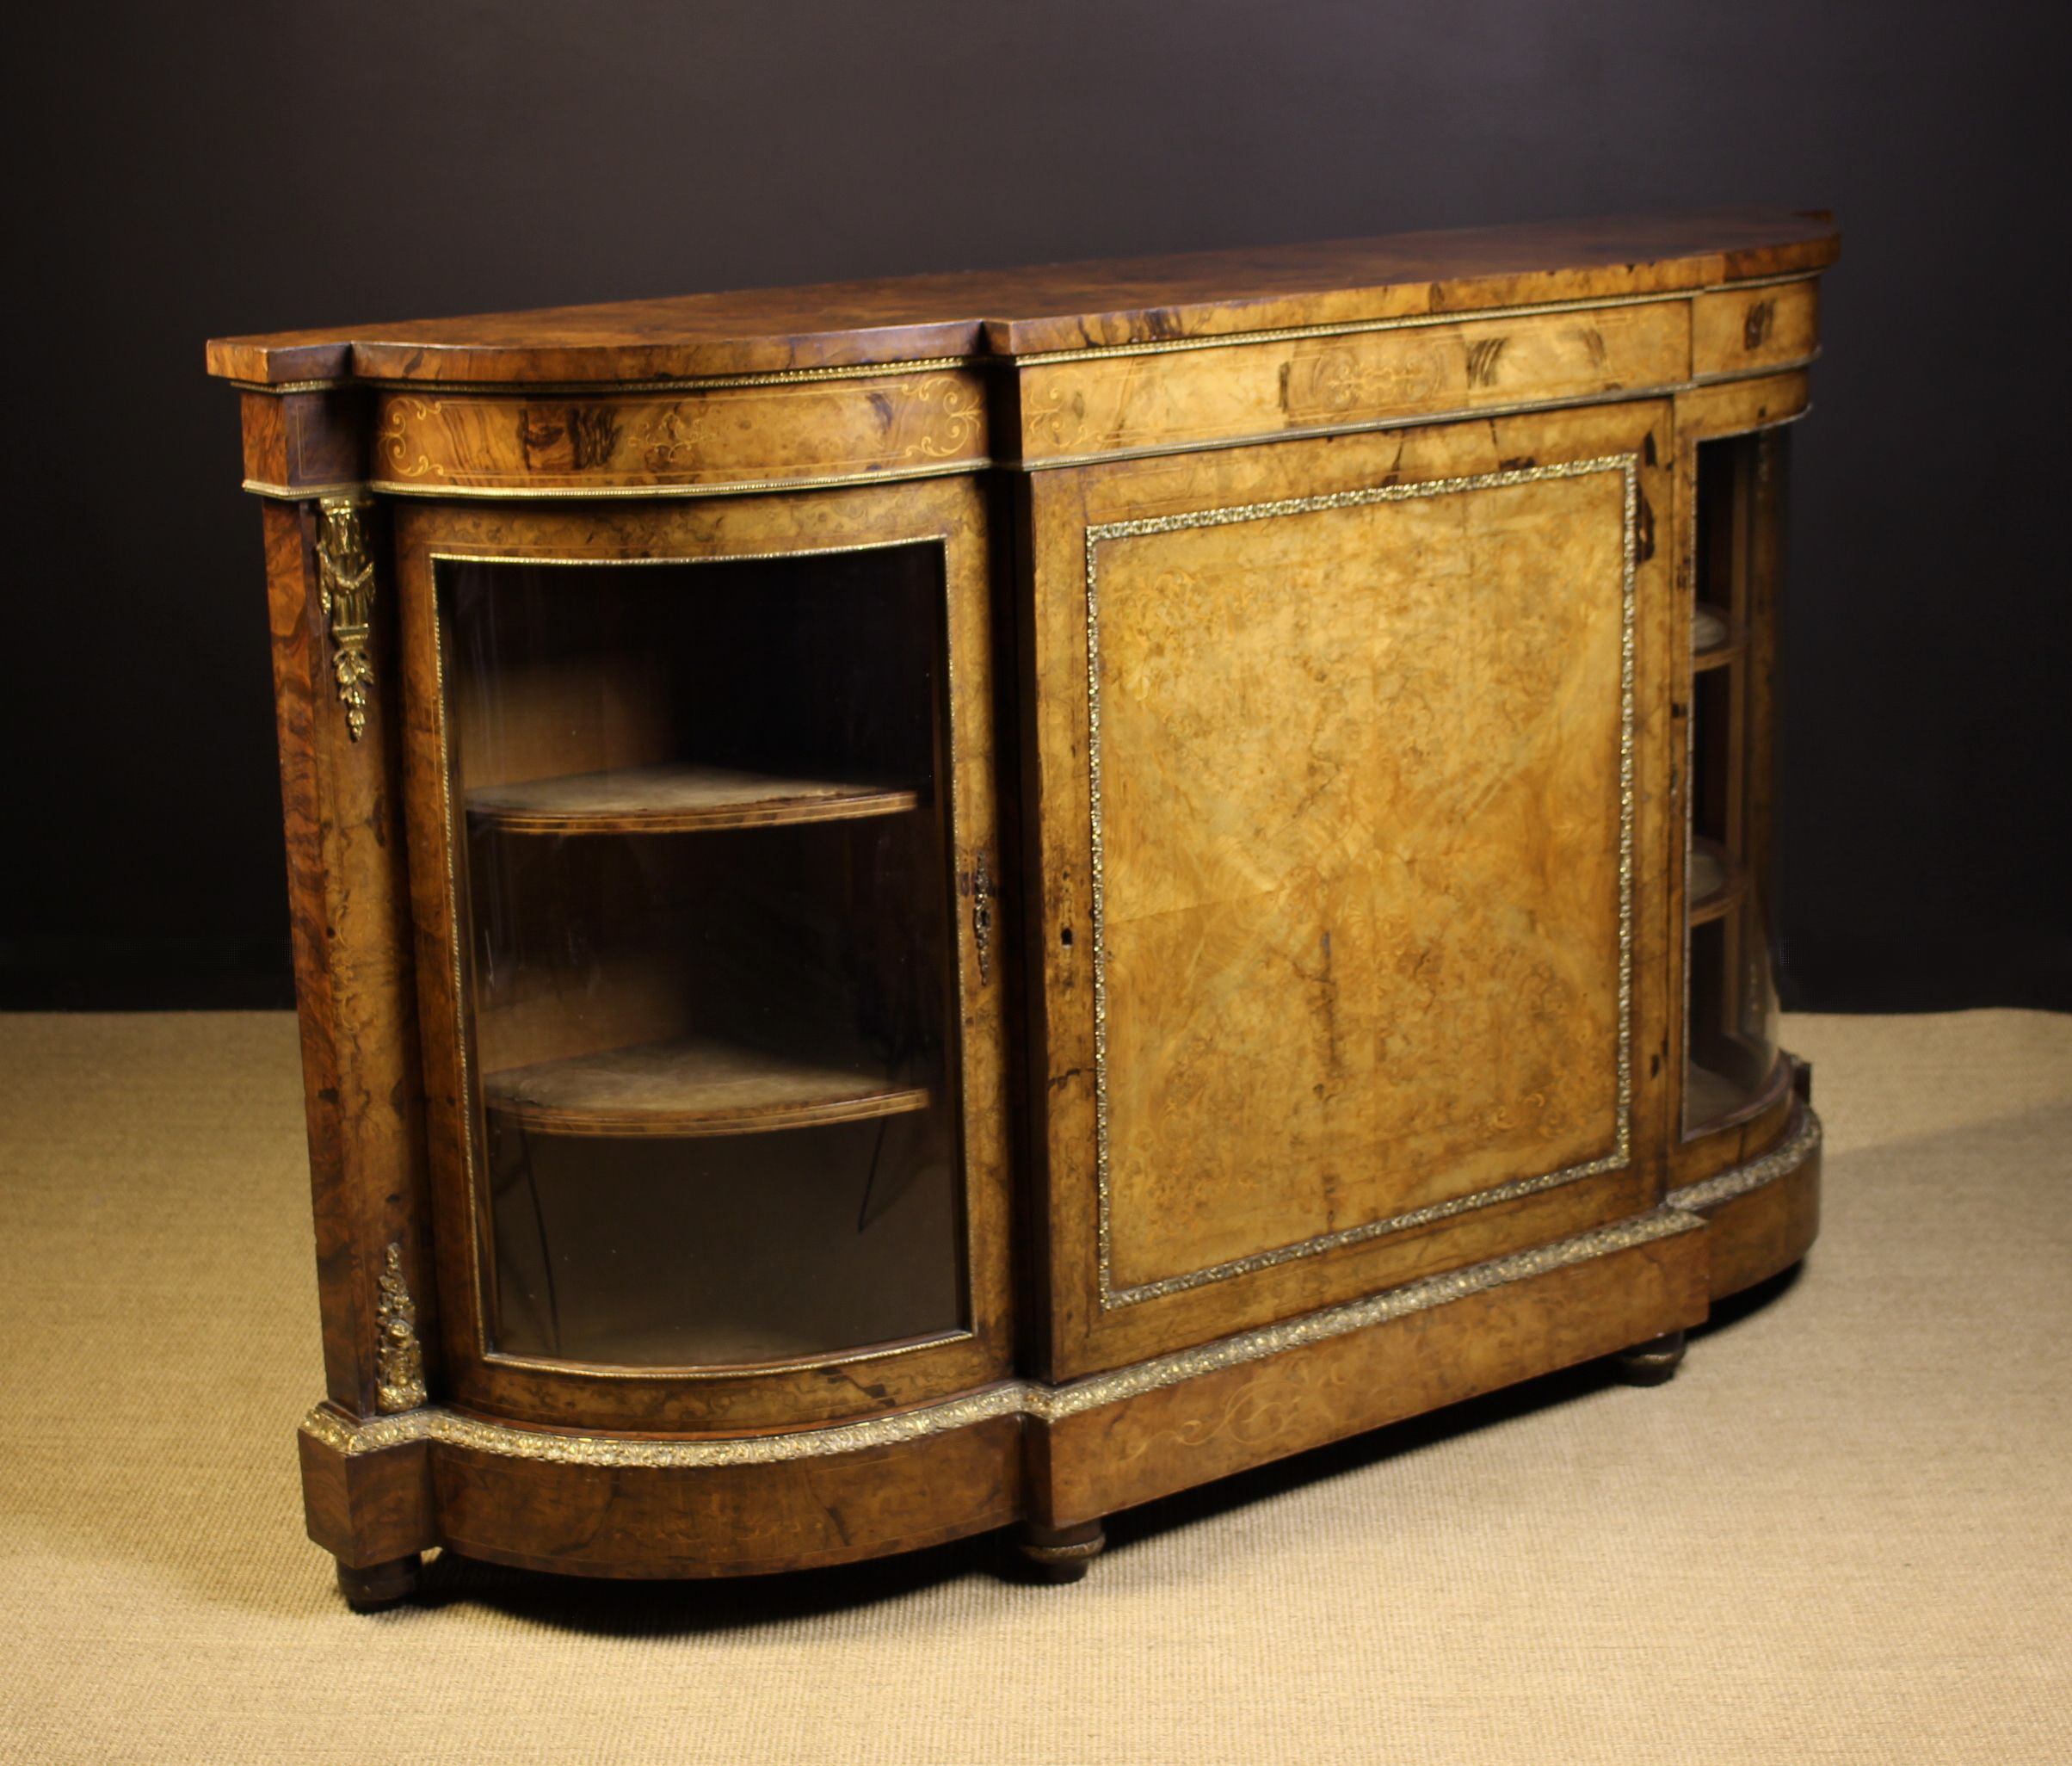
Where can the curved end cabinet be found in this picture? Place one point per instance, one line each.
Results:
(929, 904)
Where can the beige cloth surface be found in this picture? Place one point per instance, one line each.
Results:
(1844, 1533)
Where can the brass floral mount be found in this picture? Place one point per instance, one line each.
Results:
(398, 1361)
(345, 573)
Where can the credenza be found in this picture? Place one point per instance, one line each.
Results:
(928, 905)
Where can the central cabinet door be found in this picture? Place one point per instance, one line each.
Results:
(1351, 758)
(702, 830)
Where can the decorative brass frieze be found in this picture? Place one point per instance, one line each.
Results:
(346, 580)
(398, 1361)
(1043, 1402)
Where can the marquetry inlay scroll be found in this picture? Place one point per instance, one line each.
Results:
(346, 580)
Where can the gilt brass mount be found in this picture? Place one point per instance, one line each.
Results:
(346, 581)
(398, 1360)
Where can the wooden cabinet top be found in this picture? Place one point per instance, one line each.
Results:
(1069, 308)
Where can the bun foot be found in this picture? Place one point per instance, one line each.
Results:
(378, 1587)
(1650, 1363)
(1060, 1553)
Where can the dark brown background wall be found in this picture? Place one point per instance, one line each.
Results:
(187, 171)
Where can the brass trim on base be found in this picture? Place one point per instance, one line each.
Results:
(1678, 1214)
(1025, 1398)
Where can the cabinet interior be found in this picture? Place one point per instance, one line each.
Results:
(703, 870)
(1730, 1032)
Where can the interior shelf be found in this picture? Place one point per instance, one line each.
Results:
(679, 798)
(1710, 1098)
(1714, 641)
(689, 1088)
(1713, 882)
(744, 1345)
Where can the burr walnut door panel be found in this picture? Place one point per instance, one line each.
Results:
(1351, 759)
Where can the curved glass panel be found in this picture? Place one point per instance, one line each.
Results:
(1730, 1007)
(705, 894)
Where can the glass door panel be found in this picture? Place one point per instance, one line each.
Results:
(1730, 1004)
(704, 883)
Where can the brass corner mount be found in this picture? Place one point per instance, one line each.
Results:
(398, 1359)
(345, 574)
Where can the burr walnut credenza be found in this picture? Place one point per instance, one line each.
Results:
(929, 904)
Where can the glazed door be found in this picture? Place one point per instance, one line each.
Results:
(702, 830)
(1351, 759)
(1732, 1066)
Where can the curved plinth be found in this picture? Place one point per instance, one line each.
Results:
(1762, 1215)
(1059, 1457)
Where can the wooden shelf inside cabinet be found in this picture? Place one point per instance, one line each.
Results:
(1710, 1098)
(703, 1347)
(682, 798)
(688, 1089)
(1713, 882)
(1748, 1082)
(1715, 638)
